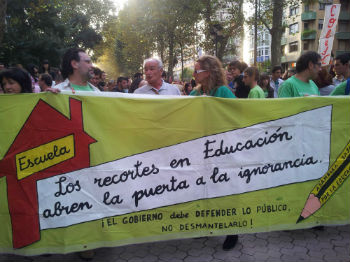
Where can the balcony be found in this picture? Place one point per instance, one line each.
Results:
(308, 35)
(342, 35)
(344, 15)
(339, 52)
(307, 16)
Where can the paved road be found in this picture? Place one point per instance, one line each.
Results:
(331, 244)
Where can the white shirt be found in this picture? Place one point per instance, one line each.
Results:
(65, 86)
(275, 88)
(165, 89)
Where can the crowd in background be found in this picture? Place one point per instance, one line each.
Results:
(210, 78)
(326, 79)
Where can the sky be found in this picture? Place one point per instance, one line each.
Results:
(119, 3)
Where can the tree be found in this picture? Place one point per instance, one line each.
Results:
(224, 19)
(174, 21)
(271, 16)
(276, 30)
(3, 7)
(42, 29)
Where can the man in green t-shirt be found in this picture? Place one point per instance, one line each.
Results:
(301, 84)
(251, 78)
(77, 69)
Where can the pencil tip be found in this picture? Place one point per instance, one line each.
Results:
(300, 219)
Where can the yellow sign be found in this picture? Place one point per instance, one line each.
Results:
(44, 156)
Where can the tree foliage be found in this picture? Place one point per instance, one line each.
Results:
(270, 15)
(44, 29)
(172, 29)
(223, 20)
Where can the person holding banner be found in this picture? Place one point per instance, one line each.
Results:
(155, 84)
(210, 78)
(15, 80)
(301, 84)
(77, 69)
(211, 81)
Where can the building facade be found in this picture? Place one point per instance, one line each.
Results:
(263, 45)
(303, 28)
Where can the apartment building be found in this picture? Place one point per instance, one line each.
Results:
(303, 28)
(263, 45)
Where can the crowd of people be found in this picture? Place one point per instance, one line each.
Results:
(210, 78)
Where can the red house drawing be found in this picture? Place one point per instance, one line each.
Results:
(44, 124)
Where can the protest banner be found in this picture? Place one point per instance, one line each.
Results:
(330, 22)
(79, 172)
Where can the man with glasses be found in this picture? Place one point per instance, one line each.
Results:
(301, 84)
(78, 70)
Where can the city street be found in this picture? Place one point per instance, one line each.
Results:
(330, 244)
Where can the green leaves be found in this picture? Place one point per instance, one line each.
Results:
(43, 29)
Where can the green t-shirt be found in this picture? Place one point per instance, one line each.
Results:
(293, 87)
(256, 92)
(222, 91)
(81, 88)
(339, 90)
(266, 93)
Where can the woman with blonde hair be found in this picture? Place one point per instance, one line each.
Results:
(211, 81)
(210, 78)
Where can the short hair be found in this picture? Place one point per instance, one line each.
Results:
(97, 72)
(70, 55)
(159, 62)
(121, 79)
(20, 76)
(235, 64)
(137, 75)
(276, 68)
(47, 79)
(253, 72)
(304, 60)
(244, 66)
(343, 58)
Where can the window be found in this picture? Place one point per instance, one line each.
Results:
(342, 26)
(320, 24)
(306, 8)
(306, 25)
(324, 3)
(342, 44)
(283, 48)
(267, 37)
(266, 51)
(293, 47)
(293, 28)
(306, 45)
(344, 4)
(294, 10)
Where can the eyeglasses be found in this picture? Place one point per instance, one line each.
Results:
(199, 71)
